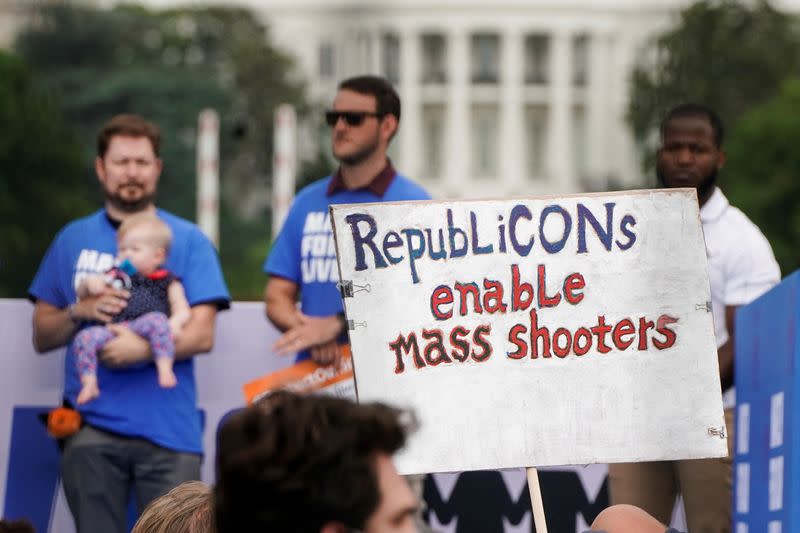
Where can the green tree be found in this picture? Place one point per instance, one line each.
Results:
(762, 176)
(43, 180)
(169, 65)
(729, 54)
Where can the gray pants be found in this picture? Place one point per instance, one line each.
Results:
(100, 469)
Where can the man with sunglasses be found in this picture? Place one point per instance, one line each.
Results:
(363, 121)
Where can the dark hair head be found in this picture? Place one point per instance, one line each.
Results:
(295, 463)
(16, 526)
(692, 110)
(387, 102)
(127, 125)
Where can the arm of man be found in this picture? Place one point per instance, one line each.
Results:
(280, 299)
(301, 332)
(128, 348)
(53, 326)
(725, 352)
(751, 271)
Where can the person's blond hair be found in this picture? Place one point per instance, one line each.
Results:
(185, 509)
(160, 234)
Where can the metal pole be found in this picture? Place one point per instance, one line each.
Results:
(284, 164)
(208, 174)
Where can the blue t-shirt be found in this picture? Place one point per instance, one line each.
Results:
(304, 251)
(132, 403)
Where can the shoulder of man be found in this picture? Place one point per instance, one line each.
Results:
(82, 226)
(411, 189)
(182, 228)
(175, 221)
(78, 239)
(743, 235)
(737, 218)
(314, 188)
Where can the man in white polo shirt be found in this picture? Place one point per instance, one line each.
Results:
(741, 267)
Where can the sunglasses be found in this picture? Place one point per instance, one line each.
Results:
(351, 118)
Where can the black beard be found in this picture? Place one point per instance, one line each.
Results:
(129, 206)
(360, 156)
(708, 183)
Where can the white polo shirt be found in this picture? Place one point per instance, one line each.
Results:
(741, 265)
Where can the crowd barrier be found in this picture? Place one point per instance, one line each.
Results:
(31, 384)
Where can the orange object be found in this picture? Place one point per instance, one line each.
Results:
(303, 377)
(63, 422)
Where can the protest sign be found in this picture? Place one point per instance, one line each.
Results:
(537, 331)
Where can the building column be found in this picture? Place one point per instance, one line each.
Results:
(410, 125)
(512, 112)
(560, 152)
(367, 49)
(456, 164)
(376, 53)
(346, 51)
(626, 164)
(598, 110)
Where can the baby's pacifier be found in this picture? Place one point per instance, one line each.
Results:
(120, 276)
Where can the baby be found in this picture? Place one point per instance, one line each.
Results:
(157, 309)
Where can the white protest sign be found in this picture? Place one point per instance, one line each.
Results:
(536, 331)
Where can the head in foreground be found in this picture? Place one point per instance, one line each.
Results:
(185, 509)
(312, 464)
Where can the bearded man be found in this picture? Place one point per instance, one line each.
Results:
(741, 267)
(136, 437)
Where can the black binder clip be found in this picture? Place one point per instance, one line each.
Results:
(705, 306)
(347, 288)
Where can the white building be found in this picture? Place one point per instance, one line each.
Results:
(499, 98)
(502, 97)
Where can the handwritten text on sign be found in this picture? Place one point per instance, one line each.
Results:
(488, 304)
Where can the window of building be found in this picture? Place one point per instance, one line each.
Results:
(536, 117)
(484, 141)
(433, 124)
(580, 60)
(537, 59)
(434, 59)
(365, 48)
(327, 54)
(390, 47)
(485, 58)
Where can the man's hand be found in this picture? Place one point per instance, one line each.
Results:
(125, 349)
(102, 307)
(329, 353)
(311, 331)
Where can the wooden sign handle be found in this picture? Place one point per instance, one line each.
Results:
(536, 500)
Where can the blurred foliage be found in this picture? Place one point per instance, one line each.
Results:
(735, 57)
(730, 54)
(762, 175)
(168, 65)
(41, 175)
(314, 169)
